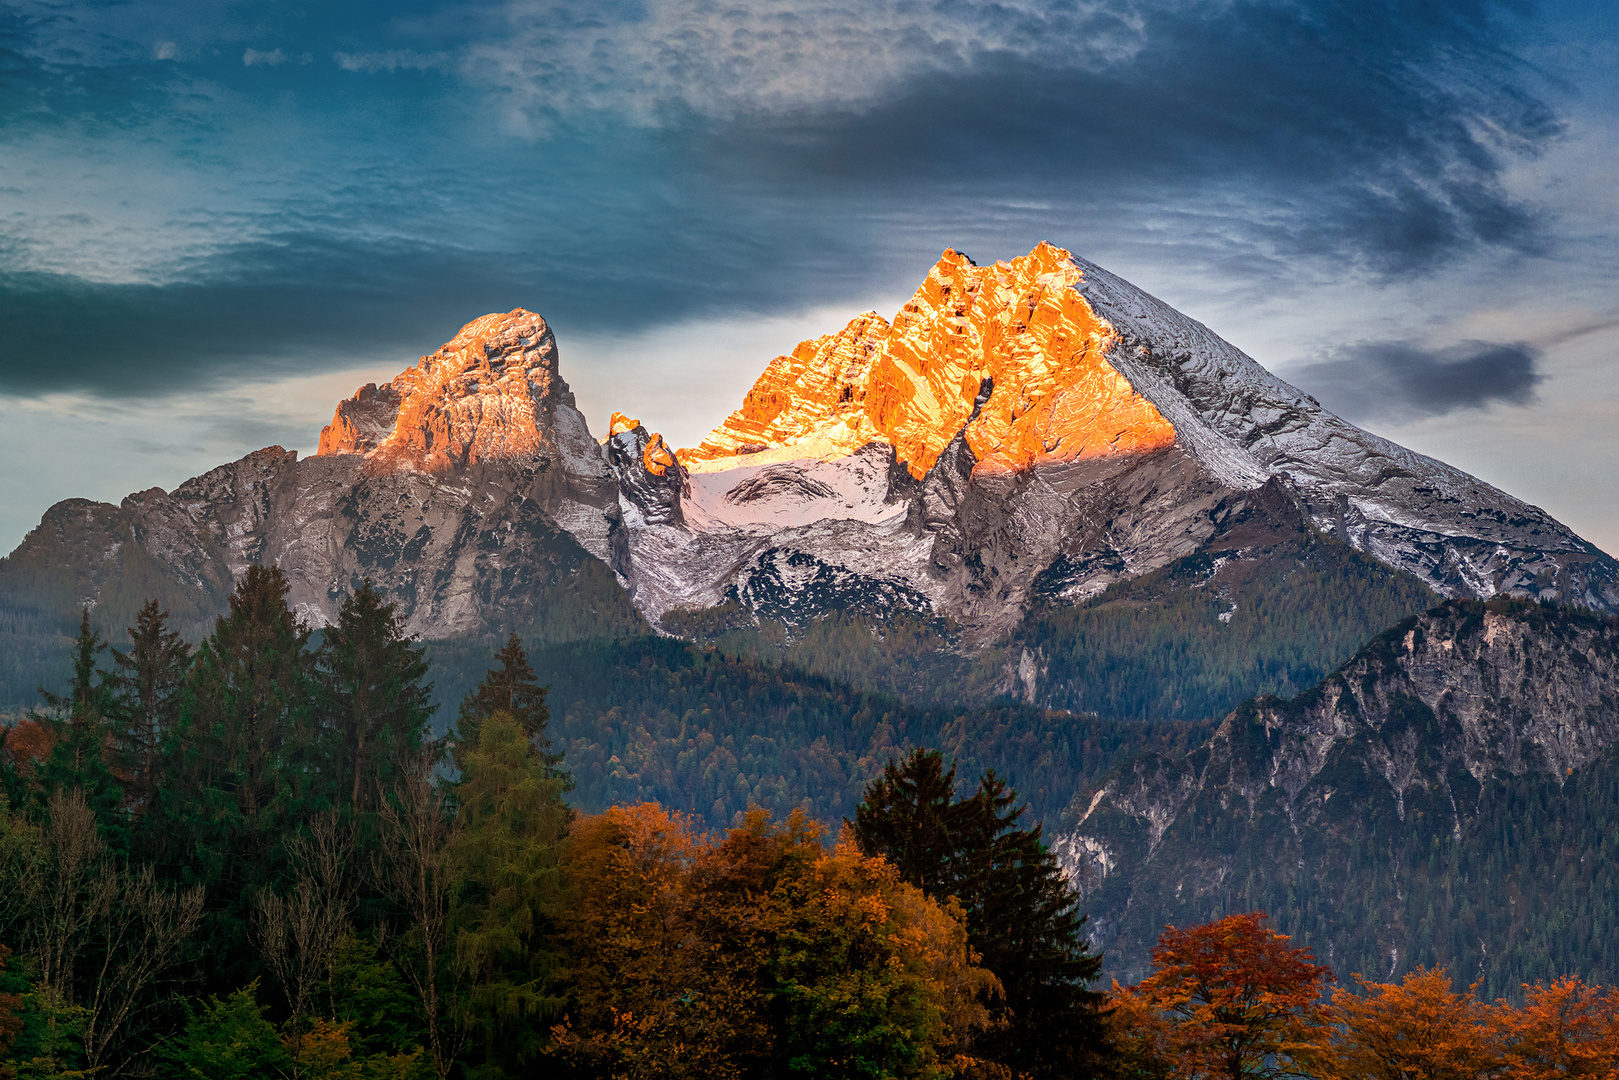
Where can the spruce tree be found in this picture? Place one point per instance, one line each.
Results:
(241, 761)
(510, 688)
(79, 724)
(373, 701)
(1022, 916)
(507, 854)
(148, 680)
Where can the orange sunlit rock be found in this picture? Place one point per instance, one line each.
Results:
(1021, 325)
(657, 457)
(477, 398)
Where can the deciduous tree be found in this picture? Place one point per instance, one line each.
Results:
(1417, 1029)
(1237, 1001)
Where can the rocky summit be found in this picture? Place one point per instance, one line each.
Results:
(1031, 428)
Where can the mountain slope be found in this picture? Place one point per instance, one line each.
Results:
(1376, 813)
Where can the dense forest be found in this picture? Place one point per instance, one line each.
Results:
(261, 857)
(256, 858)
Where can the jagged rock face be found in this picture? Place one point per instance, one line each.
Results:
(1034, 428)
(1018, 328)
(1408, 733)
(489, 394)
(465, 488)
(1466, 689)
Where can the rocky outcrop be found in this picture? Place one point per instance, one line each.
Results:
(492, 393)
(1057, 430)
(1018, 328)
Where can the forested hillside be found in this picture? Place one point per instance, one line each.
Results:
(1448, 798)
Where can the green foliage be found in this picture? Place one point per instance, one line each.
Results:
(651, 719)
(150, 684)
(1022, 917)
(365, 991)
(512, 824)
(373, 696)
(510, 689)
(1191, 640)
(228, 1039)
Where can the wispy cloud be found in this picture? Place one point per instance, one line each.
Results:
(272, 58)
(392, 60)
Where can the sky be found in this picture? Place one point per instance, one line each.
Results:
(217, 218)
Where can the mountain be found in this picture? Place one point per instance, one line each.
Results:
(1447, 797)
(1022, 441)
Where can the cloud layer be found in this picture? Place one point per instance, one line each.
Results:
(182, 196)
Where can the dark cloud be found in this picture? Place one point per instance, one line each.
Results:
(1372, 132)
(1375, 380)
(376, 209)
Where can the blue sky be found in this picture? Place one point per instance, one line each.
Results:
(216, 218)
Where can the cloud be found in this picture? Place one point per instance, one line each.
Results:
(391, 61)
(678, 159)
(1399, 380)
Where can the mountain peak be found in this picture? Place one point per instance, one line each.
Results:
(1012, 352)
(481, 396)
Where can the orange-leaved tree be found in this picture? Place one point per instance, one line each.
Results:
(1418, 1029)
(1566, 1029)
(1230, 999)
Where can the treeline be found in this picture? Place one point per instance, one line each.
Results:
(1233, 999)
(253, 858)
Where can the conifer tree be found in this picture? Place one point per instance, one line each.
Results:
(510, 688)
(1022, 915)
(78, 760)
(373, 697)
(240, 760)
(149, 680)
(507, 855)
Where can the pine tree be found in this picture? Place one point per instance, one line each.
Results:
(510, 688)
(149, 680)
(1022, 916)
(372, 697)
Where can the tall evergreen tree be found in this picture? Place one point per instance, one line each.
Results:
(372, 697)
(80, 725)
(149, 680)
(507, 855)
(1022, 916)
(510, 688)
(241, 760)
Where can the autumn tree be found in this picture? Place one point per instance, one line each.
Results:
(758, 954)
(1233, 1001)
(1417, 1029)
(1565, 1029)
(373, 696)
(1022, 916)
